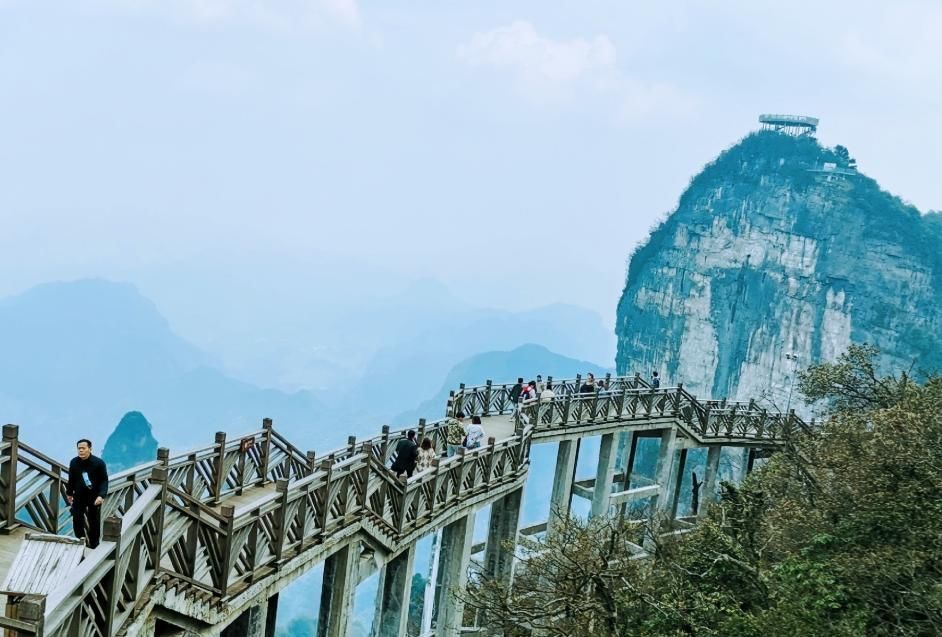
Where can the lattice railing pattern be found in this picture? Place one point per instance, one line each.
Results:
(163, 517)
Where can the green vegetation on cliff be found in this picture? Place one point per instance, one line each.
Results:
(779, 250)
(840, 536)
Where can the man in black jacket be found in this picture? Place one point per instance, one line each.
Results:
(407, 453)
(86, 490)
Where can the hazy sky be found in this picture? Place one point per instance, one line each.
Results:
(515, 150)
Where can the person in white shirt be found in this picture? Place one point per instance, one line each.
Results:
(475, 436)
(548, 393)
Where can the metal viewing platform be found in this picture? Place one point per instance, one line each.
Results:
(789, 124)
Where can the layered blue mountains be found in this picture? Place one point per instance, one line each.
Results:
(80, 356)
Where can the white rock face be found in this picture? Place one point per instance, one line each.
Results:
(765, 268)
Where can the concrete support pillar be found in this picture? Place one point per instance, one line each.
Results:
(453, 562)
(627, 452)
(561, 497)
(601, 498)
(738, 462)
(251, 623)
(392, 598)
(502, 537)
(340, 576)
(678, 480)
(708, 494)
(666, 471)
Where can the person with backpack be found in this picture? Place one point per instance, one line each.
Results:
(515, 392)
(655, 381)
(407, 453)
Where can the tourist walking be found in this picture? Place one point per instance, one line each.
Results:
(85, 492)
(427, 455)
(655, 380)
(515, 392)
(407, 453)
(540, 386)
(475, 436)
(454, 435)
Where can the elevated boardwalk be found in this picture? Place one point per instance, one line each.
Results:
(201, 543)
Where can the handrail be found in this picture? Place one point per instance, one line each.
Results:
(165, 516)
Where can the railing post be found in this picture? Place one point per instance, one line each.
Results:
(637, 381)
(228, 512)
(159, 476)
(462, 473)
(567, 408)
(219, 470)
(366, 449)
(491, 459)
(111, 532)
(578, 385)
(450, 406)
(420, 435)
(327, 466)
(677, 396)
(436, 484)
(351, 445)
(8, 475)
(32, 610)
(266, 447)
(487, 398)
(311, 461)
(384, 449)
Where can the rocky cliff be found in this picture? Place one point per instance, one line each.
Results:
(778, 255)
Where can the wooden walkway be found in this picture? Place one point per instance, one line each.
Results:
(222, 520)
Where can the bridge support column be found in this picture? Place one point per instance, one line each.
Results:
(453, 562)
(667, 471)
(340, 577)
(738, 461)
(627, 449)
(708, 496)
(505, 518)
(561, 498)
(601, 497)
(678, 480)
(392, 599)
(255, 621)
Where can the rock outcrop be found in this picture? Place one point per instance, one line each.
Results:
(781, 254)
(130, 444)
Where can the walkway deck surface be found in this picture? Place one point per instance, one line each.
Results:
(499, 427)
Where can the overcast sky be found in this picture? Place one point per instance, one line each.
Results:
(515, 150)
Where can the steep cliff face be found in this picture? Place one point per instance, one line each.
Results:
(771, 262)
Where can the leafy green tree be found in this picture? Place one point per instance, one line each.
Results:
(840, 535)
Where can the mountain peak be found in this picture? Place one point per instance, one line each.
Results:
(780, 251)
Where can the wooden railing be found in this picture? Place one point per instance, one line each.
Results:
(627, 399)
(170, 516)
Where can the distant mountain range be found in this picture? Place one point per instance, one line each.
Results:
(525, 361)
(80, 355)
